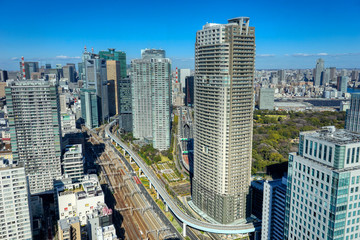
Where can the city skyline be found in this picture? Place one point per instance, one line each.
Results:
(288, 35)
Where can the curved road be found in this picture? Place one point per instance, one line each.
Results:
(190, 221)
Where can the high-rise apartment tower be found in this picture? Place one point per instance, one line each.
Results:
(224, 76)
(34, 118)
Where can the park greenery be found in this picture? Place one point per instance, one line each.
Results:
(276, 133)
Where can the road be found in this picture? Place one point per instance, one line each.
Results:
(171, 203)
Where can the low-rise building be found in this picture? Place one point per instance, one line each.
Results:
(73, 162)
(69, 229)
(78, 199)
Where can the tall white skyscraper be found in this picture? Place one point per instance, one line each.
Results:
(150, 85)
(34, 119)
(323, 192)
(224, 76)
(15, 218)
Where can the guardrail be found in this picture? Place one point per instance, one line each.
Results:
(184, 218)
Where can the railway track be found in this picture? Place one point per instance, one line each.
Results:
(138, 219)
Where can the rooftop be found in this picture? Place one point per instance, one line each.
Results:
(66, 223)
(333, 135)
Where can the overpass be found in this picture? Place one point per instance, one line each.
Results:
(170, 203)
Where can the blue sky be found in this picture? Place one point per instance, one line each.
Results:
(289, 34)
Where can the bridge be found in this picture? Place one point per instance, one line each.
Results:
(171, 204)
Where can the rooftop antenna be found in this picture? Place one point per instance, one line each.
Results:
(85, 48)
(23, 68)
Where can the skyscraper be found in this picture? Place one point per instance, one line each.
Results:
(223, 118)
(34, 119)
(69, 72)
(94, 75)
(319, 69)
(125, 99)
(189, 91)
(352, 122)
(14, 201)
(119, 56)
(183, 74)
(113, 76)
(323, 186)
(150, 85)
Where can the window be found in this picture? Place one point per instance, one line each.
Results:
(311, 145)
(348, 156)
(325, 150)
(315, 149)
(330, 154)
(320, 149)
(306, 146)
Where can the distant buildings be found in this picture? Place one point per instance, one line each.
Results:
(30, 67)
(352, 121)
(323, 186)
(319, 72)
(3, 76)
(273, 209)
(94, 74)
(15, 218)
(150, 85)
(34, 119)
(266, 98)
(69, 72)
(189, 91)
(183, 74)
(118, 56)
(223, 119)
(114, 77)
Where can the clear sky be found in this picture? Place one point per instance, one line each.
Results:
(289, 34)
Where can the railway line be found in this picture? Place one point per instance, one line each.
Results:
(139, 220)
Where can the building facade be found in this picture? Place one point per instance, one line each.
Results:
(118, 56)
(73, 162)
(266, 98)
(150, 85)
(322, 199)
(223, 118)
(189, 91)
(15, 218)
(34, 119)
(125, 103)
(114, 77)
(319, 72)
(352, 122)
(273, 209)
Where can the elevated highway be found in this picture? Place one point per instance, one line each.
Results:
(171, 204)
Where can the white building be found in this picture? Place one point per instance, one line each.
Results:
(150, 87)
(15, 218)
(106, 233)
(79, 199)
(183, 73)
(323, 192)
(68, 123)
(73, 162)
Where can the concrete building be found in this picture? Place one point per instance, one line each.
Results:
(273, 209)
(125, 103)
(323, 186)
(114, 77)
(352, 122)
(89, 108)
(118, 56)
(73, 162)
(223, 119)
(343, 84)
(100, 217)
(69, 229)
(68, 123)
(106, 233)
(150, 87)
(183, 74)
(30, 67)
(3, 75)
(332, 73)
(266, 98)
(15, 218)
(189, 91)
(94, 74)
(78, 199)
(319, 71)
(34, 119)
(69, 72)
